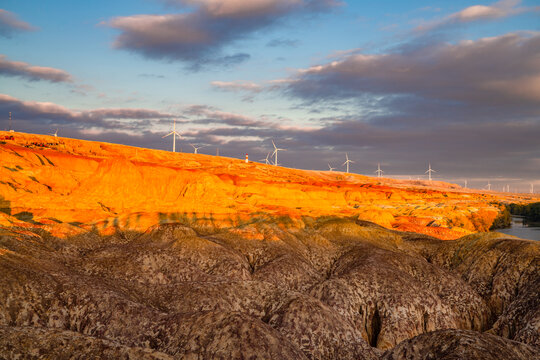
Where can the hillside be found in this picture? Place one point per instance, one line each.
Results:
(109, 251)
(68, 186)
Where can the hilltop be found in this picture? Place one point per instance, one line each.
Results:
(67, 186)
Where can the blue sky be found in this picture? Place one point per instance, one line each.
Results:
(402, 83)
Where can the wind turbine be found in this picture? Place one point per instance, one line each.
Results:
(174, 134)
(379, 172)
(489, 185)
(347, 162)
(331, 168)
(195, 149)
(532, 188)
(429, 171)
(465, 183)
(55, 134)
(276, 149)
(266, 161)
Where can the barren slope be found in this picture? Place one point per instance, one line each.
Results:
(67, 186)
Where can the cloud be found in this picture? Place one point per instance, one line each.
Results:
(155, 76)
(31, 72)
(10, 24)
(198, 36)
(499, 72)
(498, 10)
(237, 86)
(283, 43)
(30, 113)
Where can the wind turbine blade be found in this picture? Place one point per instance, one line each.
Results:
(274, 144)
(169, 134)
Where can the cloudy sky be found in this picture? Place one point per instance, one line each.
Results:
(400, 83)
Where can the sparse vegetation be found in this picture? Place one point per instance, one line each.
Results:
(5, 205)
(26, 216)
(503, 220)
(49, 161)
(40, 159)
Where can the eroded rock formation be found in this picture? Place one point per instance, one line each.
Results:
(324, 288)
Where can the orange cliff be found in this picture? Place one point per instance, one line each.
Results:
(67, 186)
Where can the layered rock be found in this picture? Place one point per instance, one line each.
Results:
(319, 289)
(69, 186)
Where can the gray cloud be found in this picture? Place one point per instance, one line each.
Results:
(497, 10)
(31, 72)
(30, 113)
(491, 72)
(198, 36)
(10, 24)
(283, 43)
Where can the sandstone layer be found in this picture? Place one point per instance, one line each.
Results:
(68, 186)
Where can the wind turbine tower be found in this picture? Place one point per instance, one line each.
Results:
(9, 121)
(266, 161)
(276, 149)
(347, 162)
(532, 188)
(465, 183)
(429, 171)
(379, 171)
(174, 134)
(196, 149)
(489, 185)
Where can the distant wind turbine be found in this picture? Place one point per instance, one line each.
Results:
(331, 168)
(429, 171)
(488, 185)
(266, 161)
(174, 134)
(465, 183)
(379, 172)
(532, 188)
(196, 149)
(347, 162)
(276, 149)
(55, 134)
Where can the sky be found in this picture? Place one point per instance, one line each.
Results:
(454, 84)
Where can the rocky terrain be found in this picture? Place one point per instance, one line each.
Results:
(106, 253)
(328, 288)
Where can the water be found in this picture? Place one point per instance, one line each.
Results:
(521, 230)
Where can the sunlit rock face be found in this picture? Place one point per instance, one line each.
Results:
(68, 186)
(327, 288)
